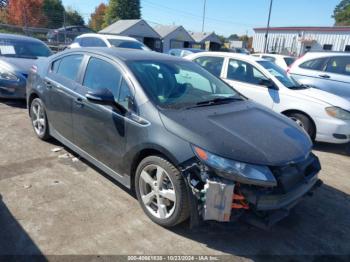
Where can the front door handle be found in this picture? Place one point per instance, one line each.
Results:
(79, 102)
(325, 76)
(48, 84)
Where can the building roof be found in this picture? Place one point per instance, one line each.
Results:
(201, 37)
(307, 28)
(121, 26)
(164, 30)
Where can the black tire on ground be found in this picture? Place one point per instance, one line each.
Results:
(305, 122)
(45, 135)
(182, 205)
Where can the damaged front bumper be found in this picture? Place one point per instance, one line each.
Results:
(220, 199)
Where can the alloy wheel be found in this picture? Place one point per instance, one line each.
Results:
(157, 191)
(38, 118)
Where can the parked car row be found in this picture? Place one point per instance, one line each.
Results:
(186, 133)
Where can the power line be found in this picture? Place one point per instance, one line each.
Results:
(156, 5)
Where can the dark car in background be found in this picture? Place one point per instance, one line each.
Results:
(17, 55)
(183, 139)
(67, 34)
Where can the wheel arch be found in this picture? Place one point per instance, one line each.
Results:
(150, 150)
(291, 111)
(31, 97)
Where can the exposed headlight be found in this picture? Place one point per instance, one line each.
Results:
(338, 112)
(237, 171)
(7, 75)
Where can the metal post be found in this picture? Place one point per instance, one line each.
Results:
(64, 26)
(205, 3)
(268, 27)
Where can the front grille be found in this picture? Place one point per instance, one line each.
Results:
(290, 176)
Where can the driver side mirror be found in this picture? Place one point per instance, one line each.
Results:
(268, 83)
(104, 97)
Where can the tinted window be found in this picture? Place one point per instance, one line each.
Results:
(327, 47)
(347, 48)
(212, 64)
(69, 66)
(314, 64)
(23, 48)
(101, 74)
(339, 65)
(127, 44)
(178, 84)
(244, 72)
(270, 58)
(92, 42)
(289, 60)
(125, 95)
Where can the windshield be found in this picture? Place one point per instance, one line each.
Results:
(178, 84)
(127, 44)
(289, 60)
(23, 49)
(280, 74)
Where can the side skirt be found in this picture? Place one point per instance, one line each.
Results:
(125, 180)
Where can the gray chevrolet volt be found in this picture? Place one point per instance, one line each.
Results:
(17, 55)
(187, 143)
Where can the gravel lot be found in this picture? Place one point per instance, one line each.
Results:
(54, 204)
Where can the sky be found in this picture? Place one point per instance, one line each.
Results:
(226, 17)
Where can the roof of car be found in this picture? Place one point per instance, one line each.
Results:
(273, 55)
(126, 54)
(19, 37)
(107, 36)
(233, 55)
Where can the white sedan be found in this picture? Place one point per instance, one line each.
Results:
(324, 116)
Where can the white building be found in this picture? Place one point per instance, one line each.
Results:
(298, 40)
(173, 37)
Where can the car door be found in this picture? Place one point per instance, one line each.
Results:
(61, 83)
(249, 81)
(337, 75)
(100, 130)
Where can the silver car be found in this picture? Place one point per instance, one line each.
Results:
(328, 71)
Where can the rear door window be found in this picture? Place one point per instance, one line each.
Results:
(211, 63)
(101, 74)
(244, 72)
(69, 66)
(339, 65)
(92, 42)
(315, 64)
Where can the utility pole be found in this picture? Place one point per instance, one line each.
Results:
(268, 27)
(64, 26)
(204, 6)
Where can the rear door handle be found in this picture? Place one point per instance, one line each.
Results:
(79, 102)
(325, 76)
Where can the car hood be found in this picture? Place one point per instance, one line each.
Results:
(21, 65)
(242, 131)
(325, 97)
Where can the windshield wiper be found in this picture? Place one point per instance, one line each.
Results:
(216, 101)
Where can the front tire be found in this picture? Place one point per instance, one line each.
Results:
(39, 119)
(161, 191)
(304, 122)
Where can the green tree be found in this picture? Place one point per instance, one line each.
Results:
(54, 11)
(122, 9)
(342, 13)
(73, 17)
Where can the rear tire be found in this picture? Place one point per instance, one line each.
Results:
(161, 191)
(304, 122)
(39, 119)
